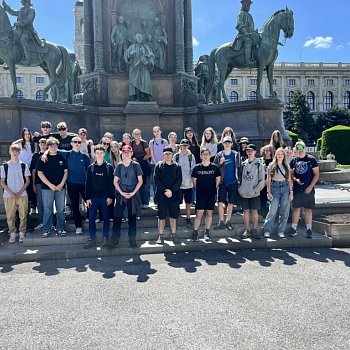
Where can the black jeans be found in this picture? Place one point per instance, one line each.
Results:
(74, 192)
(118, 215)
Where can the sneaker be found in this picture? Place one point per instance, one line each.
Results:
(87, 220)
(46, 234)
(255, 233)
(39, 227)
(291, 232)
(62, 232)
(281, 235)
(90, 244)
(206, 236)
(160, 239)
(21, 237)
(194, 237)
(79, 231)
(246, 233)
(309, 234)
(133, 244)
(32, 211)
(111, 219)
(267, 234)
(220, 226)
(12, 238)
(229, 226)
(175, 239)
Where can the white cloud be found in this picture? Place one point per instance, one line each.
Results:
(195, 42)
(319, 42)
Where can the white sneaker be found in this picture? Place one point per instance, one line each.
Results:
(21, 237)
(62, 233)
(39, 227)
(32, 211)
(267, 234)
(46, 234)
(79, 231)
(281, 235)
(12, 238)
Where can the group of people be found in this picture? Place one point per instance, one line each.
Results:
(114, 179)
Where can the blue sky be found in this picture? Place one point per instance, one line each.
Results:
(321, 33)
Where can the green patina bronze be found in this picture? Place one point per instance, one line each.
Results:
(251, 48)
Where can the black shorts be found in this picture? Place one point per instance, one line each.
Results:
(168, 208)
(186, 195)
(228, 193)
(205, 201)
(251, 203)
(303, 200)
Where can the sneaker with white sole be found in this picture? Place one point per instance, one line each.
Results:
(79, 231)
(21, 237)
(46, 234)
(62, 232)
(12, 238)
(39, 227)
(281, 235)
(267, 234)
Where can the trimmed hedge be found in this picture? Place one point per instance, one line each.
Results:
(319, 144)
(336, 140)
(293, 136)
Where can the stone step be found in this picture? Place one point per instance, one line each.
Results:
(18, 253)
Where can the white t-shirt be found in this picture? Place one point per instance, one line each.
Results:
(14, 177)
(26, 153)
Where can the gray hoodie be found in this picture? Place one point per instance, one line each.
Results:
(253, 179)
(186, 168)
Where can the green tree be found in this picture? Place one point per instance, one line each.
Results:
(298, 114)
(334, 116)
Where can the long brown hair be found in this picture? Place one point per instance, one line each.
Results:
(274, 164)
(280, 140)
(213, 138)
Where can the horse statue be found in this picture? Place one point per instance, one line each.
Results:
(264, 54)
(51, 58)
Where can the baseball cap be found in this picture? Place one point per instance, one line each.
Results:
(188, 129)
(184, 142)
(168, 150)
(251, 146)
(227, 138)
(244, 140)
(126, 148)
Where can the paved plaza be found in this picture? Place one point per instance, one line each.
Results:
(265, 299)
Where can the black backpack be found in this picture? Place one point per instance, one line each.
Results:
(6, 169)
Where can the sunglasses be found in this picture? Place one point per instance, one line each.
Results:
(46, 127)
(61, 129)
(79, 142)
(227, 142)
(106, 143)
(300, 147)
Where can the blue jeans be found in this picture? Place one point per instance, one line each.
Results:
(39, 202)
(145, 190)
(49, 197)
(280, 203)
(97, 203)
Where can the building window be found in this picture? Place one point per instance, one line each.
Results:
(253, 81)
(329, 82)
(290, 96)
(291, 82)
(252, 95)
(39, 96)
(19, 94)
(19, 80)
(346, 100)
(310, 97)
(233, 96)
(274, 82)
(234, 81)
(347, 82)
(328, 100)
(40, 80)
(311, 82)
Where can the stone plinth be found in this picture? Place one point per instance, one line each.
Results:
(141, 115)
(337, 176)
(327, 165)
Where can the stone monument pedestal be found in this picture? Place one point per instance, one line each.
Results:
(141, 115)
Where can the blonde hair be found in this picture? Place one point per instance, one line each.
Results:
(213, 138)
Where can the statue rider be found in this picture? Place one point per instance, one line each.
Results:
(24, 30)
(246, 33)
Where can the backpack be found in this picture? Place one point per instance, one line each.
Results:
(6, 169)
(177, 157)
(109, 166)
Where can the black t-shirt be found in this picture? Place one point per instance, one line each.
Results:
(53, 169)
(33, 166)
(302, 168)
(139, 150)
(206, 177)
(64, 143)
